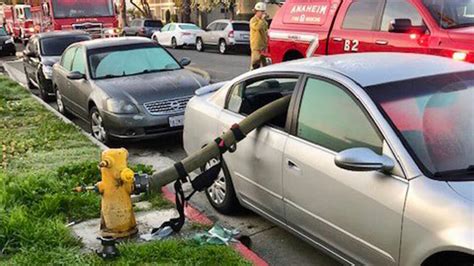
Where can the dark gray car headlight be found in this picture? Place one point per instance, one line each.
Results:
(120, 107)
(47, 71)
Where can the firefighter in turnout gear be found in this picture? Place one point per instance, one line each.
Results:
(258, 36)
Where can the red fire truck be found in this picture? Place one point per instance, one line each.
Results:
(438, 27)
(18, 21)
(93, 16)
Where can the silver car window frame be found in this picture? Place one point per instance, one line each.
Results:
(360, 101)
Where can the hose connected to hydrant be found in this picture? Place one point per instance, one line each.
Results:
(119, 182)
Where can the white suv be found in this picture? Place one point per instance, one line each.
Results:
(224, 34)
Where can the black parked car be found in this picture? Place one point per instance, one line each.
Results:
(7, 44)
(42, 52)
(143, 27)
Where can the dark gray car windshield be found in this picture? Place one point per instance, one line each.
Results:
(130, 60)
(434, 117)
(55, 46)
(451, 14)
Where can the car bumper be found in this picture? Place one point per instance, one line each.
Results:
(140, 126)
(188, 40)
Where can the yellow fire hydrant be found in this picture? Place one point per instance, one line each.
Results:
(116, 187)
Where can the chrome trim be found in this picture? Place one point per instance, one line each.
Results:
(167, 106)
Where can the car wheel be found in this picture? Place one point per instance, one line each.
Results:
(199, 45)
(60, 104)
(222, 47)
(29, 84)
(98, 130)
(42, 93)
(221, 193)
(174, 43)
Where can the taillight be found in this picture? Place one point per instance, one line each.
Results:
(459, 56)
(142, 30)
(231, 34)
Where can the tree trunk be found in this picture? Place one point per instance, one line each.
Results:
(123, 13)
(186, 11)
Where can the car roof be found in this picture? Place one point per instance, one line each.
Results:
(108, 42)
(230, 21)
(368, 69)
(51, 34)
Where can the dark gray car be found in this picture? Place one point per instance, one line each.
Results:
(142, 27)
(42, 52)
(127, 88)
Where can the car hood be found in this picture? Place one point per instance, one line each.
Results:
(50, 60)
(145, 88)
(464, 189)
(465, 35)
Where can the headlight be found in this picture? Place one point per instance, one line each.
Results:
(32, 30)
(47, 71)
(9, 41)
(120, 107)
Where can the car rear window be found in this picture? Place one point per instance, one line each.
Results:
(361, 14)
(55, 46)
(188, 27)
(241, 26)
(153, 23)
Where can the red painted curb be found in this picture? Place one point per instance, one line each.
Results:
(199, 217)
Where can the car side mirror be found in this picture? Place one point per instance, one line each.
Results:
(363, 160)
(75, 75)
(185, 61)
(404, 25)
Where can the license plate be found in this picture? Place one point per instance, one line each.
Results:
(245, 37)
(176, 121)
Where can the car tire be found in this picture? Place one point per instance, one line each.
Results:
(97, 127)
(199, 45)
(222, 47)
(42, 93)
(174, 43)
(60, 104)
(221, 194)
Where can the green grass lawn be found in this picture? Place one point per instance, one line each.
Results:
(42, 159)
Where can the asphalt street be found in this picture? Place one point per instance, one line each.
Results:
(273, 244)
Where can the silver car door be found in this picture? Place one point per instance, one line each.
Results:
(207, 36)
(256, 165)
(357, 213)
(80, 89)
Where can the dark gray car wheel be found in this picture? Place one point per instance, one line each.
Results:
(221, 194)
(199, 45)
(42, 92)
(98, 130)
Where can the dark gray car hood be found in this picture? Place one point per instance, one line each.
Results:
(153, 86)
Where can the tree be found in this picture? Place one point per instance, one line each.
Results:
(143, 7)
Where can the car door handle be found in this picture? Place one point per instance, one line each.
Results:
(337, 39)
(293, 165)
(381, 42)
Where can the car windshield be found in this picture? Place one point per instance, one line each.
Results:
(241, 26)
(55, 46)
(451, 14)
(27, 13)
(82, 8)
(434, 116)
(188, 27)
(153, 23)
(130, 60)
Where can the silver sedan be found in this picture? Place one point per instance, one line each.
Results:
(373, 162)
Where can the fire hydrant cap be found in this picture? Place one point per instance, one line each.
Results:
(127, 175)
